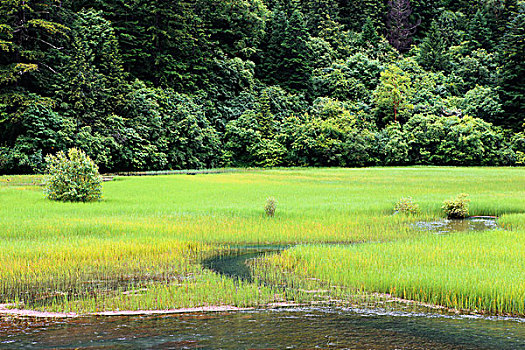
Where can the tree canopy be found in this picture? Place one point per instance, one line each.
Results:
(145, 85)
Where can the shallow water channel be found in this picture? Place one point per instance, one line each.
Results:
(292, 327)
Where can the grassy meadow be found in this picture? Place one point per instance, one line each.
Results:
(141, 247)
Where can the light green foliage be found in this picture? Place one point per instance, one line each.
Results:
(251, 137)
(72, 178)
(270, 207)
(406, 205)
(518, 145)
(455, 141)
(458, 207)
(353, 79)
(392, 145)
(484, 103)
(393, 94)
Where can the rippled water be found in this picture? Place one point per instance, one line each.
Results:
(271, 329)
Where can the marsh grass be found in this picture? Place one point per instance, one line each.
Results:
(151, 233)
(478, 271)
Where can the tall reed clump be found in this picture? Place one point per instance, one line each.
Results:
(72, 178)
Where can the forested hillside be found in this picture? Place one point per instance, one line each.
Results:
(174, 84)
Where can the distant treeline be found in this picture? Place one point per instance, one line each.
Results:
(180, 84)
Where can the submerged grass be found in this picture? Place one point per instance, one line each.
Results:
(150, 234)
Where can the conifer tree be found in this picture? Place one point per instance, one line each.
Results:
(479, 33)
(295, 70)
(264, 116)
(369, 36)
(93, 80)
(286, 55)
(513, 71)
(28, 36)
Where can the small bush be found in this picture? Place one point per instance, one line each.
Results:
(72, 178)
(457, 208)
(406, 206)
(270, 206)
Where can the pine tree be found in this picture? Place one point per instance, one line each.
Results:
(513, 71)
(264, 116)
(442, 34)
(93, 80)
(270, 66)
(318, 12)
(369, 36)
(353, 14)
(29, 35)
(479, 33)
(25, 34)
(31, 39)
(286, 55)
(295, 69)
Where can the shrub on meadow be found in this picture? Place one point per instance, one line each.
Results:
(406, 206)
(270, 206)
(72, 178)
(457, 208)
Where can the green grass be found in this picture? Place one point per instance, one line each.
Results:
(480, 271)
(150, 233)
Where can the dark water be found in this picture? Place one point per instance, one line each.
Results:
(309, 328)
(234, 263)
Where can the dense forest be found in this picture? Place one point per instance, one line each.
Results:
(177, 84)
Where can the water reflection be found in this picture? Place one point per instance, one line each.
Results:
(321, 328)
(470, 224)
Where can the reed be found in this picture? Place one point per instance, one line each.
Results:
(480, 271)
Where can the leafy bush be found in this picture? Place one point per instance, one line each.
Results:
(270, 206)
(453, 140)
(457, 208)
(406, 206)
(72, 178)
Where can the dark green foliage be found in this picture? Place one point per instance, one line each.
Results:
(444, 32)
(369, 36)
(513, 57)
(286, 55)
(190, 84)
